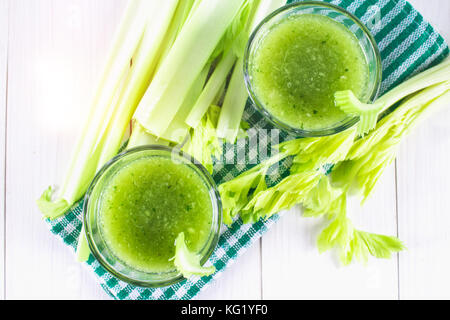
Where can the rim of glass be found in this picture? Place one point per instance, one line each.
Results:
(217, 213)
(338, 127)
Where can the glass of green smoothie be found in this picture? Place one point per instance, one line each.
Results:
(300, 56)
(139, 203)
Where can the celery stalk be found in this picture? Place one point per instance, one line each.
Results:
(368, 113)
(140, 137)
(185, 61)
(237, 96)
(212, 89)
(184, 9)
(143, 67)
(137, 81)
(230, 47)
(187, 262)
(83, 250)
(178, 129)
(233, 105)
(86, 154)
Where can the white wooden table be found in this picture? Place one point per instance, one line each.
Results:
(50, 53)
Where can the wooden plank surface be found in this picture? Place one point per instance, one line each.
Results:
(294, 269)
(423, 193)
(4, 21)
(55, 52)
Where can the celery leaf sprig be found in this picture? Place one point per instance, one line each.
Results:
(356, 163)
(203, 143)
(371, 154)
(249, 195)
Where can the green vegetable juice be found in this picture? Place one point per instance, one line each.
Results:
(146, 204)
(299, 65)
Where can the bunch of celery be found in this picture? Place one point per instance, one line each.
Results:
(127, 73)
(166, 72)
(327, 170)
(195, 73)
(181, 104)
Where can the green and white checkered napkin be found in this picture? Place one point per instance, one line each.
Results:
(407, 43)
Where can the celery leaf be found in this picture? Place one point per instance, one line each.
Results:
(187, 262)
(52, 209)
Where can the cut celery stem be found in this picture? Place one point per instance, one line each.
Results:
(144, 64)
(187, 262)
(186, 59)
(369, 113)
(233, 105)
(237, 96)
(140, 137)
(212, 89)
(424, 99)
(178, 129)
(87, 157)
(83, 250)
(119, 38)
(137, 81)
(184, 9)
(432, 76)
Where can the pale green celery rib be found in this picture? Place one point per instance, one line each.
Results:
(140, 137)
(84, 158)
(233, 105)
(237, 96)
(417, 101)
(52, 209)
(182, 12)
(212, 89)
(178, 129)
(186, 59)
(396, 119)
(432, 76)
(83, 250)
(144, 64)
(137, 81)
(369, 113)
(431, 100)
(93, 142)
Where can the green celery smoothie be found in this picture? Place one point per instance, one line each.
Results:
(299, 65)
(146, 204)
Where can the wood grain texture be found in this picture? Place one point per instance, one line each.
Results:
(56, 50)
(423, 192)
(4, 22)
(423, 209)
(293, 269)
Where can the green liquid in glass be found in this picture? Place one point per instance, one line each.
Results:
(144, 207)
(299, 65)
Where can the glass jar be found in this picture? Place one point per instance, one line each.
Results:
(362, 34)
(92, 221)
